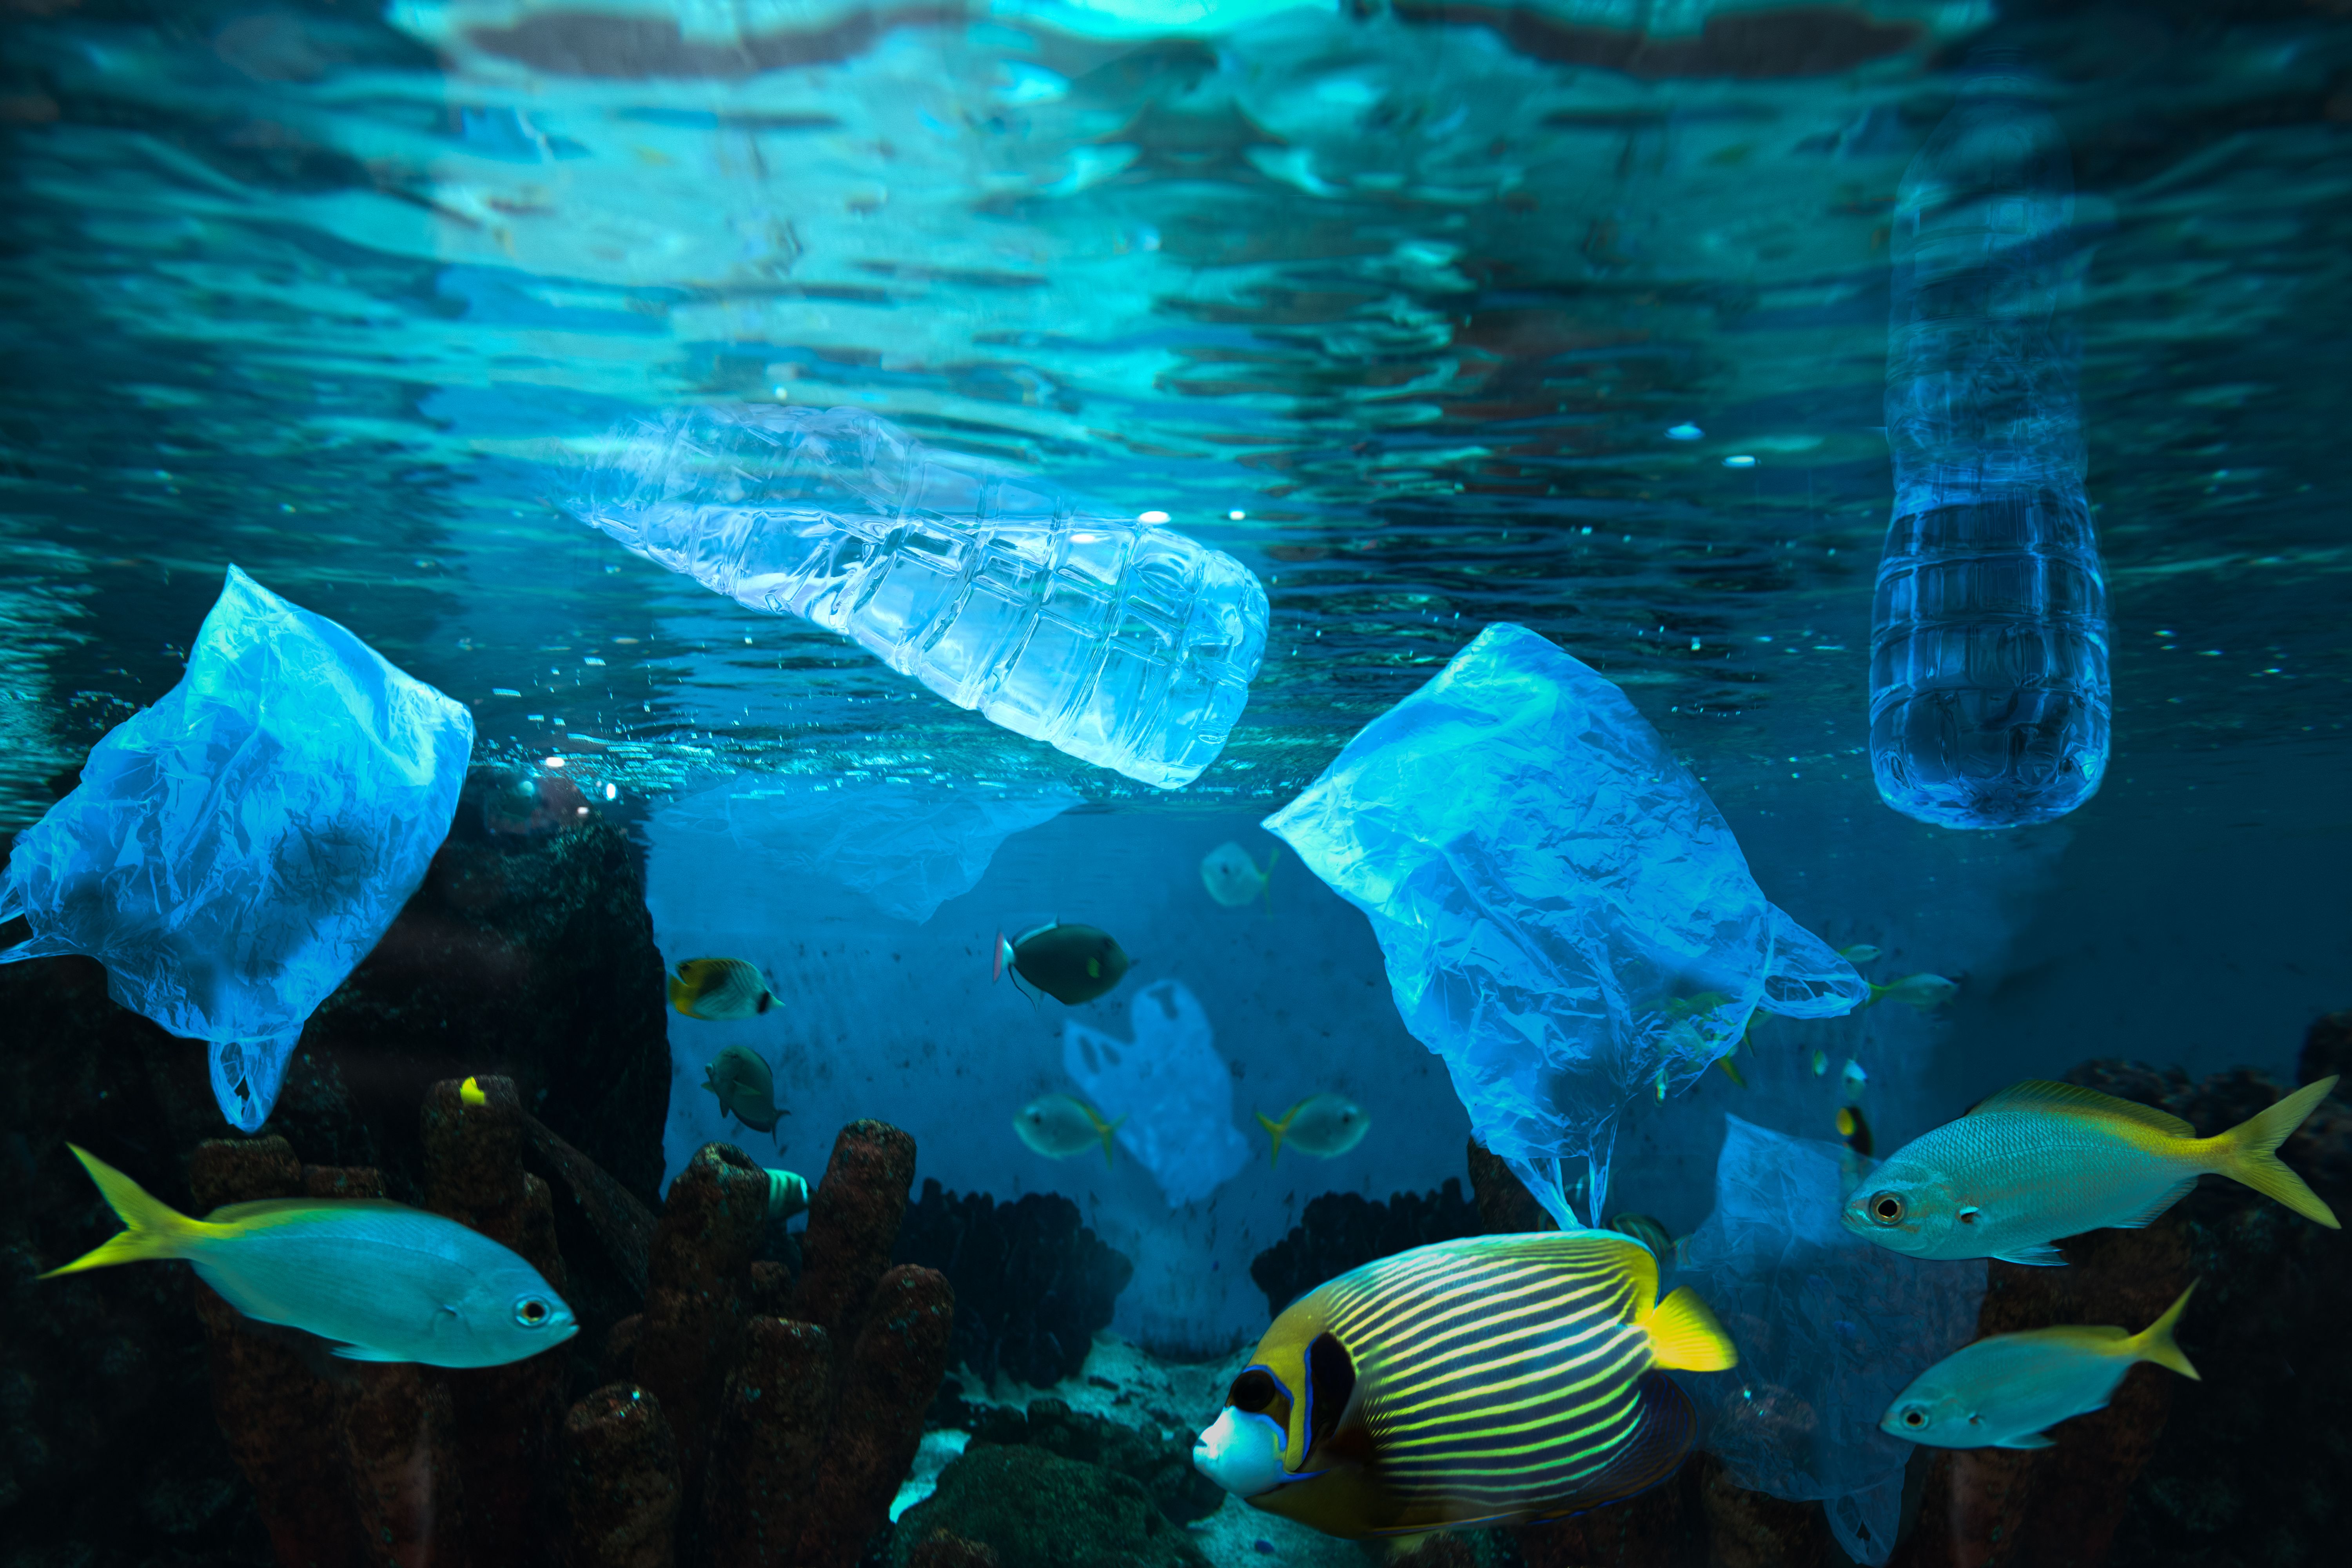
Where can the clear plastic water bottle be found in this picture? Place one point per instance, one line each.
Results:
(1988, 700)
(1124, 644)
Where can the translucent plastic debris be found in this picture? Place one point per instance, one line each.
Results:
(907, 846)
(1988, 695)
(1123, 643)
(1567, 921)
(1830, 1328)
(234, 851)
(1168, 1082)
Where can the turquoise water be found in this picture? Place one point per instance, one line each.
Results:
(1569, 315)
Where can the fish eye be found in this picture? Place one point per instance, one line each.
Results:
(1253, 1391)
(531, 1313)
(1913, 1417)
(1888, 1208)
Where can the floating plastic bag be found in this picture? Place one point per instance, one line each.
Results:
(1567, 921)
(234, 850)
(1830, 1328)
(907, 847)
(1175, 1090)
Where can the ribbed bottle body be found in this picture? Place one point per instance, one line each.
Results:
(1124, 644)
(1989, 703)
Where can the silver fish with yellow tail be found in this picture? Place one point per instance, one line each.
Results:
(1471, 1382)
(2040, 1161)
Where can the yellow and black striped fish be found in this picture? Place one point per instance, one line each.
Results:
(719, 989)
(1472, 1382)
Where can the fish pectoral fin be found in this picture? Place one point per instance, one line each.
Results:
(2030, 1440)
(2042, 1256)
(2165, 1200)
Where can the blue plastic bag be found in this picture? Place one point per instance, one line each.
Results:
(1172, 1089)
(1567, 921)
(909, 847)
(1830, 1328)
(234, 850)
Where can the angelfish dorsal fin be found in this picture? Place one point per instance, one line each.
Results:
(2040, 1092)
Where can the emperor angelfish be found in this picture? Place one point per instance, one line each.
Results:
(1471, 1382)
(1071, 964)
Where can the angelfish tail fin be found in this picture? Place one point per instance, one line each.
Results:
(157, 1230)
(2155, 1343)
(2244, 1154)
(1685, 1337)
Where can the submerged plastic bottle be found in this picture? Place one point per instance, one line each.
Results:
(1989, 700)
(1124, 644)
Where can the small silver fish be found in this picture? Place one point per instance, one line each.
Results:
(2005, 1392)
(1060, 1125)
(1853, 1081)
(1324, 1125)
(1860, 953)
(1233, 880)
(1925, 992)
(1821, 1063)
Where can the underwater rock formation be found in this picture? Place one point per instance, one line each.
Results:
(788, 1436)
(1033, 1284)
(1340, 1231)
(1164, 1467)
(1037, 1510)
(621, 1483)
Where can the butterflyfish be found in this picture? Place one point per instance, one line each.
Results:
(1233, 880)
(1059, 1125)
(719, 990)
(1471, 1382)
(1854, 1128)
(746, 1089)
(384, 1281)
(2005, 1392)
(1071, 964)
(1324, 1125)
(2040, 1161)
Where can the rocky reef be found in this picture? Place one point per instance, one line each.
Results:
(1161, 1466)
(1033, 1284)
(1340, 1231)
(1032, 1509)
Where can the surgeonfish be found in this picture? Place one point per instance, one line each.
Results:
(384, 1281)
(2004, 1392)
(2041, 1161)
(1233, 880)
(1324, 1125)
(1070, 963)
(718, 990)
(1060, 1125)
(1925, 992)
(746, 1089)
(1470, 1382)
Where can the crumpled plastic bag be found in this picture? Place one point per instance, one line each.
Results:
(1175, 1090)
(234, 851)
(1567, 920)
(909, 847)
(1830, 1330)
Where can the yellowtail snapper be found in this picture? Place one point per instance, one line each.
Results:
(2003, 1393)
(718, 990)
(2040, 1161)
(1324, 1125)
(1470, 1382)
(385, 1281)
(1233, 878)
(1071, 964)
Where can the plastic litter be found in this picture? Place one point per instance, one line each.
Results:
(1124, 644)
(234, 851)
(1830, 1328)
(1988, 702)
(909, 847)
(1567, 921)
(1175, 1090)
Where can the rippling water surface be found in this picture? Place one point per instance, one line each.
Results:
(1398, 303)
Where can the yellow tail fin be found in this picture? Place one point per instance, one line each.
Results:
(1684, 1336)
(157, 1229)
(1275, 1129)
(2243, 1153)
(2155, 1342)
(1107, 1129)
